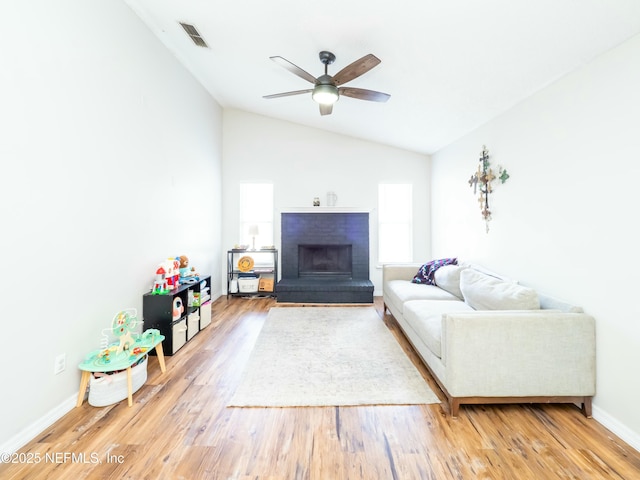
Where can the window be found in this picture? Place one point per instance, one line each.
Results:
(256, 214)
(395, 227)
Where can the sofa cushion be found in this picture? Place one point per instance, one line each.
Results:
(401, 291)
(551, 303)
(447, 277)
(484, 292)
(486, 271)
(426, 271)
(425, 317)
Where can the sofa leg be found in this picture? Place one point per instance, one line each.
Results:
(586, 407)
(454, 405)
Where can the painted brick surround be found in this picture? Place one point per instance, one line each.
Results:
(325, 228)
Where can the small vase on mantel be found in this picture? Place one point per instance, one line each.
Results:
(332, 199)
(316, 201)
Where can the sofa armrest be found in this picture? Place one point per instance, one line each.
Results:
(519, 353)
(399, 271)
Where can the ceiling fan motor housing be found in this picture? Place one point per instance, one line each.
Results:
(325, 80)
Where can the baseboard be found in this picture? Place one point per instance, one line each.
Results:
(616, 427)
(36, 428)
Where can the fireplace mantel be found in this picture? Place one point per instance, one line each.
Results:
(325, 210)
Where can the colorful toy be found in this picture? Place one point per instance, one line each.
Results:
(172, 267)
(160, 284)
(178, 308)
(194, 299)
(187, 275)
(171, 273)
(184, 265)
(114, 359)
(122, 327)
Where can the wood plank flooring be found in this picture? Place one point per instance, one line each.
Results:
(180, 428)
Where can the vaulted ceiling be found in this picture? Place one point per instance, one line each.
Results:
(449, 66)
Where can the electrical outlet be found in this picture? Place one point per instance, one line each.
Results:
(60, 364)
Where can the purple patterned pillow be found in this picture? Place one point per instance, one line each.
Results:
(426, 271)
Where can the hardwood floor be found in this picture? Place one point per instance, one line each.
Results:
(180, 428)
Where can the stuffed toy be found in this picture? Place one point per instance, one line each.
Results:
(184, 265)
(185, 271)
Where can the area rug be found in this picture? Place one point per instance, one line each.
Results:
(328, 356)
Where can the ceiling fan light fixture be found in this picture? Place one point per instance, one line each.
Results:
(325, 94)
(328, 89)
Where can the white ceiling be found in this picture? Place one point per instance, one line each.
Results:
(449, 65)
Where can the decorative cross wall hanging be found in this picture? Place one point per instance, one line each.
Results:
(481, 182)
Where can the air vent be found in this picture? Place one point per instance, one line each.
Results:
(194, 35)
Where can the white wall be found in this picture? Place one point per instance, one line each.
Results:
(303, 163)
(111, 162)
(565, 222)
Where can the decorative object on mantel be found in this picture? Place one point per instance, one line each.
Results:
(316, 201)
(481, 182)
(332, 199)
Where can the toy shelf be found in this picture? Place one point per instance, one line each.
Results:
(159, 312)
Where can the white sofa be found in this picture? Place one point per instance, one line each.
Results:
(487, 339)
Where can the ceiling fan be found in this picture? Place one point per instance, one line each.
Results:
(328, 89)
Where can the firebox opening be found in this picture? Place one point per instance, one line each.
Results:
(324, 260)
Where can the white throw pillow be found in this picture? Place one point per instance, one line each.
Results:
(447, 278)
(484, 292)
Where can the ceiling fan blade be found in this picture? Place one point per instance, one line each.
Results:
(288, 94)
(296, 70)
(363, 94)
(356, 69)
(326, 109)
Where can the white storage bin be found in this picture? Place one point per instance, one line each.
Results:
(248, 285)
(113, 388)
(193, 325)
(179, 333)
(205, 315)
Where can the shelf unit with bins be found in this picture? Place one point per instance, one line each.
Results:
(265, 267)
(158, 312)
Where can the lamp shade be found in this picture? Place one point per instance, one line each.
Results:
(254, 230)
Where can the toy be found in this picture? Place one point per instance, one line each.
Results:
(194, 299)
(187, 275)
(160, 284)
(178, 308)
(122, 325)
(172, 266)
(117, 361)
(184, 265)
(171, 273)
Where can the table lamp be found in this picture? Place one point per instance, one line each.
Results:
(254, 231)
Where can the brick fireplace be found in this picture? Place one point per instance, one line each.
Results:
(325, 258)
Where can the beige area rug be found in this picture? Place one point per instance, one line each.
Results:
(328, 356)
